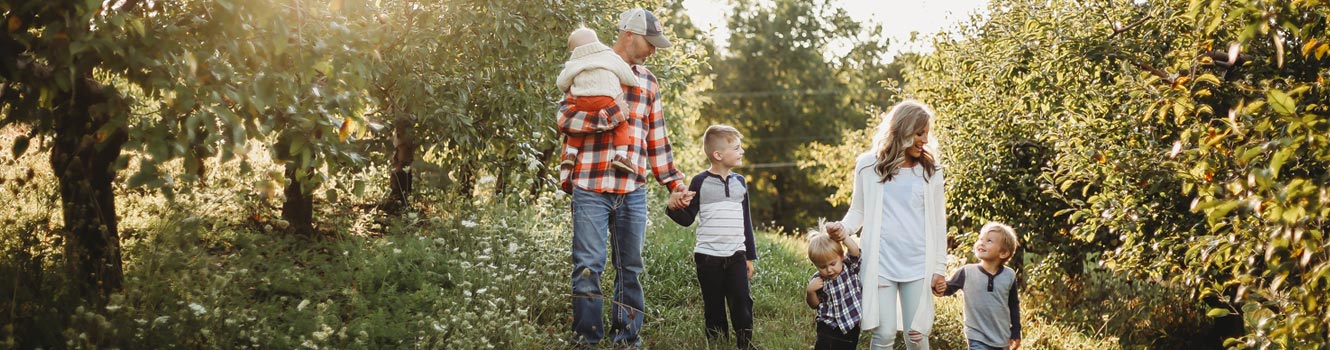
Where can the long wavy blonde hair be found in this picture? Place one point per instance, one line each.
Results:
(896, 133)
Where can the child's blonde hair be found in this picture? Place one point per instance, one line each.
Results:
(820, 244)
(1009, 241)
(581, 36)
(717, 137)
(821, 248)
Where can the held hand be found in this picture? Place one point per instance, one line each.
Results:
(916, 337)
(1014, 344)
(681, 197)
(750, 269)
(939, 285)
(836, 231)
(676, 200)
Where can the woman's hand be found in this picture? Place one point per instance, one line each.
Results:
(939, 285)
(836, 231)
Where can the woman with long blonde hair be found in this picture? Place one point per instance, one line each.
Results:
(898, 203)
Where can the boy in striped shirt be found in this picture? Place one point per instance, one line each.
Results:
(724, 252)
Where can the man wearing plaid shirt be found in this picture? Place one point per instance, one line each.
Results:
(835, 291)
(614, 201)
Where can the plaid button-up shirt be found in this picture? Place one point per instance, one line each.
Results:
(648, 146)
(841, 297)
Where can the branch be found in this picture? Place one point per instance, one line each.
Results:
(1119, 29)
(1155, 71)
(1221, 58)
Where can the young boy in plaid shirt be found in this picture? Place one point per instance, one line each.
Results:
(835, 291)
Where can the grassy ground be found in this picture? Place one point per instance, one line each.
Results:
(211, 269)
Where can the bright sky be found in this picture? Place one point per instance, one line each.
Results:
(898, 17)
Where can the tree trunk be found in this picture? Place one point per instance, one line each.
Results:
(540, 182)
(298, 210)
(404, 154)
(467, 181)
(501, 178)
(83, 159)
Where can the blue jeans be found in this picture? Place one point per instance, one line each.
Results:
(976, 345)
(624, 217)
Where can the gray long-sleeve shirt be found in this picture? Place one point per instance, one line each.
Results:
(992, 307)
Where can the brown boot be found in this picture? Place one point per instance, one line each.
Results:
(621, 164)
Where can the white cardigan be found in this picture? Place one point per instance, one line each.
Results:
(866, 212)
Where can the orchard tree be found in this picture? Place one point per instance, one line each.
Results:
(780, 88)
(54, 79)
(1250, 92)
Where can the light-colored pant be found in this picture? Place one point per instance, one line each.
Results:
(884, 337)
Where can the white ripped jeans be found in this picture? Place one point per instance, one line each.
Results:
(909, 293)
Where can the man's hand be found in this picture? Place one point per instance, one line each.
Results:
(939, 285)
(681, 197)
(750, 269)
(1014, 344)
(836, 231)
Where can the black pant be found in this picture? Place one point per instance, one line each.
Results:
(724, 281)
(832, 339)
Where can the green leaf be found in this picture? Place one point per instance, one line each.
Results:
(20, 145)
(1277, 161)
(1208, 78)
(1216, 313)
(358, 188)
(1280, 102)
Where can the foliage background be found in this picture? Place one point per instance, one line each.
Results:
(1163, 162)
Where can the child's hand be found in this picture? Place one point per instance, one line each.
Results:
(1014, 344)
(750, 269)
(814, 285)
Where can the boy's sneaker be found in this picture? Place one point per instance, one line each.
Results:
(621, 164)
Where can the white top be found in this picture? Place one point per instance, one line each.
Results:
(867, 199)
(595, 70)
(902, 244)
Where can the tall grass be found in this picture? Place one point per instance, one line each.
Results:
(208, 269)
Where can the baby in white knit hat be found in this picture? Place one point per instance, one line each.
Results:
(594, 75)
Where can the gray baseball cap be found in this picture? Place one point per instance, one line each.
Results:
(644, 23)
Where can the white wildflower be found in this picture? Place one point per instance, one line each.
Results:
(199, 310)
(469, 223)
(303, 304)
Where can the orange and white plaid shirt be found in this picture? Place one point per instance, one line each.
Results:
(648, 145)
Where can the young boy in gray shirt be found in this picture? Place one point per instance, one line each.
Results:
(725, 249)
(992, 307)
